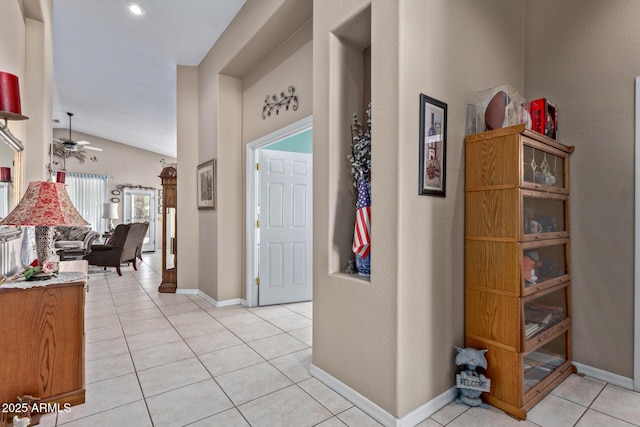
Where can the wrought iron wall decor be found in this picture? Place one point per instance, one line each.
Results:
(271, 102)
(56, 149)
(135, 187)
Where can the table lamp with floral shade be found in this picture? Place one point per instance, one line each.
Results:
(44, 205)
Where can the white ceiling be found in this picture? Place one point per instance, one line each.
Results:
(116, 72)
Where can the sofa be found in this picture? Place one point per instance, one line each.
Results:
(74, 237)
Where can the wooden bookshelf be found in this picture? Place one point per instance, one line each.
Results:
(517, 269)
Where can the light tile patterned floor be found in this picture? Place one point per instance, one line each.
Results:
(174, 360)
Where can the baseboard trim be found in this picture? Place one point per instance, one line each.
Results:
(234, 301)
(187, 291)
(376, 412)
(213, 302)
(424, 411)
(609, 377)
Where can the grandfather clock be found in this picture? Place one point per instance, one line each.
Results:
(169, 230)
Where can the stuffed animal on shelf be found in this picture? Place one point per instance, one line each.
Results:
(470, 383)
(530, 261)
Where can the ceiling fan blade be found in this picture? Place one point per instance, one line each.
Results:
(92, 148)
(82, 142)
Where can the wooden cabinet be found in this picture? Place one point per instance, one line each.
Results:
(517, 270)
(42, 338)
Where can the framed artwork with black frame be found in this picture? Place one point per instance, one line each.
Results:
(206, 185)
(432, 146)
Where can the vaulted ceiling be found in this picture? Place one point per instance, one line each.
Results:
(116, 72)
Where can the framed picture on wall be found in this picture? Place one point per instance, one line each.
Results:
(432, 146)
(206, 185)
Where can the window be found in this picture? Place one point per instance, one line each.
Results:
(88, 193)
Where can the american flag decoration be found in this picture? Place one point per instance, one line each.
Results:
(361, 239)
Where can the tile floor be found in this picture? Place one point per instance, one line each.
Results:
(175, 360)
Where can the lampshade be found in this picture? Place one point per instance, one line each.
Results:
(44, 205)
(10, 108)
(110, 210)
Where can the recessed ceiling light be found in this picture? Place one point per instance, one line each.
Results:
(136, 9)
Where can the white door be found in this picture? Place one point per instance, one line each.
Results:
(140, 206)
(285, 232)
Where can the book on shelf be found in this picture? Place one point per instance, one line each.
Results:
(546, 316)
(544, 359)
(546, 307)
(531, 328)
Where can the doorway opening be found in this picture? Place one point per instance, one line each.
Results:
(140, 206)
(279, 217)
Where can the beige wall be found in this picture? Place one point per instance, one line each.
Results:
(13, 60)
(290, 65)
(187, 138)
(583, 55)
(123, 164)
(38, 85)
(258, 30)
(355, 321)
(397, 346)
(26, 50)
(453, 63)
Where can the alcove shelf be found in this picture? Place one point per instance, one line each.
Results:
(350, 60)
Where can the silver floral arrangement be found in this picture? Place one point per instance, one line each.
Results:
(360, 157)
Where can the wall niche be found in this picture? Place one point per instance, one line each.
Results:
(350, 83)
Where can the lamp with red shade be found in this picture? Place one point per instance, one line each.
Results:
(10, 107)
(44, 205)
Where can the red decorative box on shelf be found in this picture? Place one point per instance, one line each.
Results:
(544, 117)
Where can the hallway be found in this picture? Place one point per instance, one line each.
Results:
(175, 360)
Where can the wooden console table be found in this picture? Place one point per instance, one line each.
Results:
(42, 338)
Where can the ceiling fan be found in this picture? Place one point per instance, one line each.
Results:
(71, 145)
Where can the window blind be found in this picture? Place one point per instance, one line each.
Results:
(88, 192)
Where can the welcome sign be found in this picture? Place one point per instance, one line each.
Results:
(473, 383)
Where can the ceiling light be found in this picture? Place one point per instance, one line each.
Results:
(136, 9)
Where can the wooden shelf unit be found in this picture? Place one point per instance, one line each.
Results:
(517, 217)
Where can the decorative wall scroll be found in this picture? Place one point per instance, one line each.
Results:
(271, 103)
(136, 187)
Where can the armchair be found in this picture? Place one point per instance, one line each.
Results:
(141, 229)
(121, 249)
